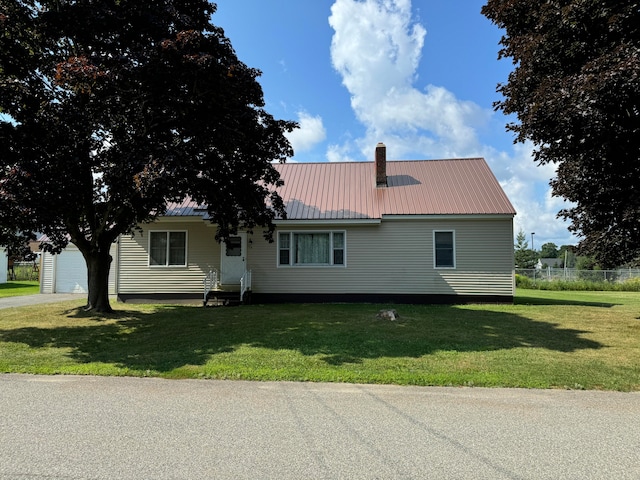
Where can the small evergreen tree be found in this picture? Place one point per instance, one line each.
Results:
(524, 256)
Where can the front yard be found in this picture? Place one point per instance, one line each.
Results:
(577, 340)
(17, 288)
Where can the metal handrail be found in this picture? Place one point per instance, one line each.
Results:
(245, 283)
(210, 282)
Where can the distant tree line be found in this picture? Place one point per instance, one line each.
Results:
(526, 257)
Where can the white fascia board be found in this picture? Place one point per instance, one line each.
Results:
(333, 221)
(177, 218)
(479, 216)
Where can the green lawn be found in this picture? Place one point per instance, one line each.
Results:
(578, 340)
(22, 287)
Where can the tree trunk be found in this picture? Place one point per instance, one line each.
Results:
(98, 266)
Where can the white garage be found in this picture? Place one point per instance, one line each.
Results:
(4, 265)
(67, 272)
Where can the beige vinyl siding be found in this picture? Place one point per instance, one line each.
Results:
(46, 273)
(484, 260)
(396, 256)
(137, 277)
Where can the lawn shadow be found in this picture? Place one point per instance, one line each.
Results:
(176, 336)
(13, 284)
(82, 314)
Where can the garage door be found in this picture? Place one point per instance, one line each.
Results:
(71, 272)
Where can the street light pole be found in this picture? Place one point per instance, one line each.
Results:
(532, 234)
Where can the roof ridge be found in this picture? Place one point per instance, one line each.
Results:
(388, 160)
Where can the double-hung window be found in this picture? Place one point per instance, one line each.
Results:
(444, 249)
(168, 249)
(311, 248)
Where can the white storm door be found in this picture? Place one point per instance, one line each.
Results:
(233, 262)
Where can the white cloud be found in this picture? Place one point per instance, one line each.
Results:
(340, 153)
(310, 133)
(376, 49)
(527, 186)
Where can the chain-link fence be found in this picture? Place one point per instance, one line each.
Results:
(23, 271)
(574, 274)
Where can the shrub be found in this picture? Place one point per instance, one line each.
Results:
(630, 285)
(522, 281)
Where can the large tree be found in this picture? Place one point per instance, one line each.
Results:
(110, 109)
(575, 90)
(549, 250)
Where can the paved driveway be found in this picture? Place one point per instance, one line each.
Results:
(25, 300)
(68, 427)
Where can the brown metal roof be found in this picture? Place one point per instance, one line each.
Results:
(347, 191)
(331, 191)
(185, 208)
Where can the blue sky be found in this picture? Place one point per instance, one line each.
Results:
(418, 75)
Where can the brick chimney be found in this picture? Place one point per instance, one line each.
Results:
(380, 164)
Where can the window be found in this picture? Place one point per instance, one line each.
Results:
(311, 248)
(444, 249)
(284, 257)
(168, 248)
(338, 248)
(234, 246)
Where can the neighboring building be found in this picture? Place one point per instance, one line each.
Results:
(549, 262)
(4, 265)
(435, 231)
(66, 272)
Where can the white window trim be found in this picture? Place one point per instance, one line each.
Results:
(453, 232)
(167, 232)
(313, 265)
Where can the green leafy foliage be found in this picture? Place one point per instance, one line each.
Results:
(112, 109)
(549, 250)
(575, 91)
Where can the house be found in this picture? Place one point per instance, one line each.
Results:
(549, 262)
(436, 231)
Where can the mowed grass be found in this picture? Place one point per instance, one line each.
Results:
(577, 340)
(17, 288)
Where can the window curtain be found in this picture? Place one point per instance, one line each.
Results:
(158, 248)
(177, 248)
(311, 248)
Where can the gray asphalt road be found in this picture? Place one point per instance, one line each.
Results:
(67, 427)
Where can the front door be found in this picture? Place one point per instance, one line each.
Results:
(233, 261)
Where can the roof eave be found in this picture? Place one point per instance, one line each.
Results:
(450, 216)
(327, 221)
